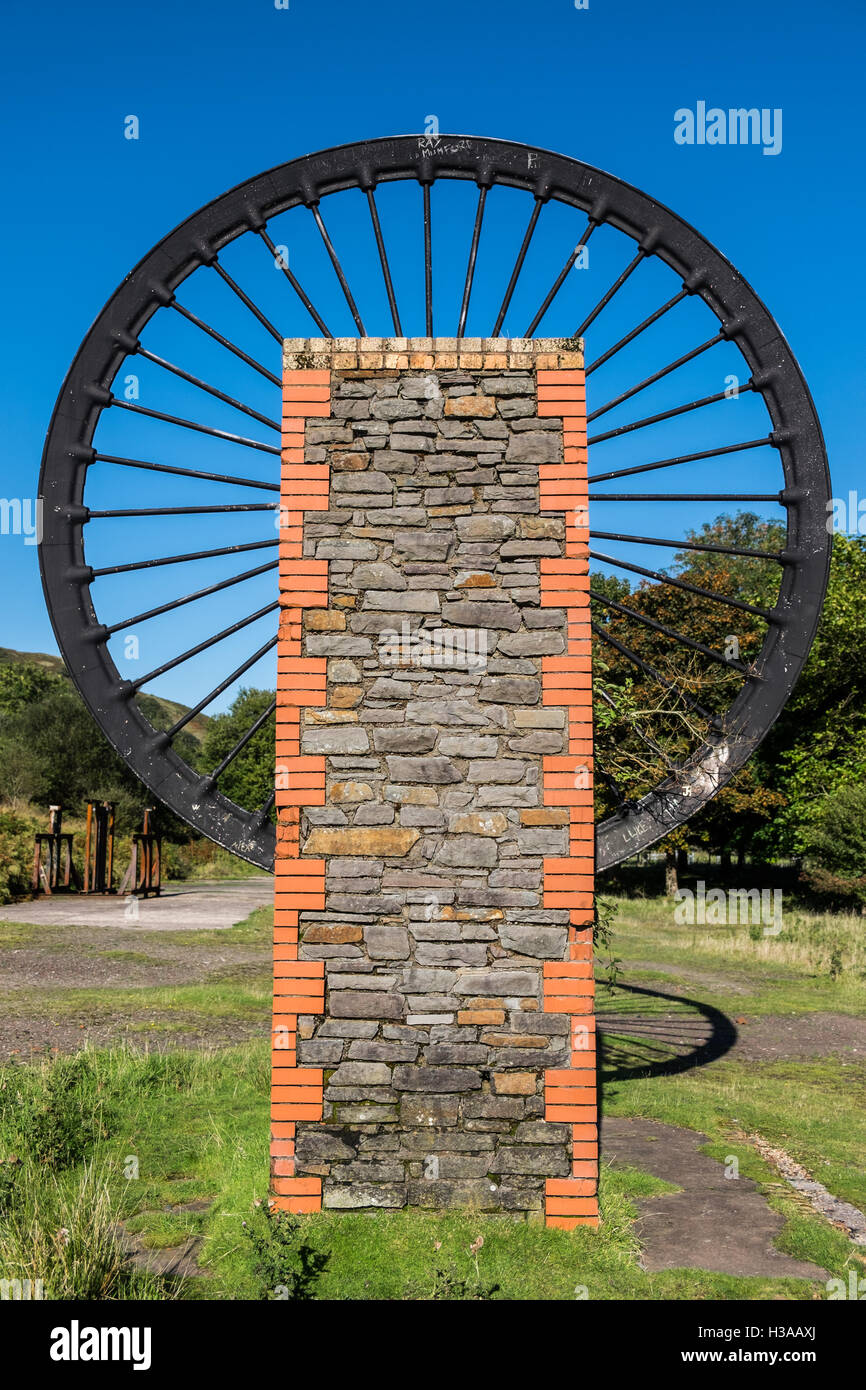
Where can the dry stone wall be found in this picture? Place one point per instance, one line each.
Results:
(414, 810)
(433, 931)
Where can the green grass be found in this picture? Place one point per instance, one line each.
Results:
(255, 930)
(243, 993)
(816, 964)
(815, 1111)
(196, 1126)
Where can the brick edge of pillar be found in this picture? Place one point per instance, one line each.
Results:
(299, 986)
(571, 1094)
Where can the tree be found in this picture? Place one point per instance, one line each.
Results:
(834, 843)
(818, 744)
(52, 751)
(650, 718)
(23, 683)
(249, 777)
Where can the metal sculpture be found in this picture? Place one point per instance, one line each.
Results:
(163, 285)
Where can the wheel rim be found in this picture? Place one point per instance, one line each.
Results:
(249, 210)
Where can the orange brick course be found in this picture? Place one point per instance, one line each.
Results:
(570, 1096)
(299, 986)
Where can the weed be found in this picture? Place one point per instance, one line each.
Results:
(57, 1111)
(286, 1266)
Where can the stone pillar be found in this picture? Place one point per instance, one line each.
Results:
(434, 1040)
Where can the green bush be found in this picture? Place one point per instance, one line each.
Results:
(16, 854)
(198, 859)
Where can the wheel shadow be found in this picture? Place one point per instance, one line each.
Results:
(645, 1032)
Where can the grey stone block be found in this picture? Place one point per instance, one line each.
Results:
(432, 771)
(387, 941)
(334, 738)
(511, 690)
(361, 1074)
(500, 982)
(365, 1004)
(447, 1080)
(418, 739)
(357, 1196)
(467, 851)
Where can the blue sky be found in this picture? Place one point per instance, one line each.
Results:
(225, 90)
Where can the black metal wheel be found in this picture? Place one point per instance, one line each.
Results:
(428, 254)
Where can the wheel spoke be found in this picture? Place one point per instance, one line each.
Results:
(280, 261)
(211, 390)
(560, 279)
(630, 337)
(656, 376)
(665, 415)
(684, 497)
(608, 296)
(683, 458)
(338, 269)
(473, 254)
(656, 675)
(690, 545)
(245, 299)
(428, 261)
(622, 801)
(204, 646)
(186, 511)
(225, 342)
(186, 472)
(383, 258)
(218, 690)
(668, 579)
(518, 266)
(676, 636)
(259, 817)
(242, 742)
(190, 598)
(194, 425)
(181, 559)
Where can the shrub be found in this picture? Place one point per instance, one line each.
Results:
(16, 854)
(286, 1266)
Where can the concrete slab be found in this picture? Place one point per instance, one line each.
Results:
(199, 906)
(716, 1223)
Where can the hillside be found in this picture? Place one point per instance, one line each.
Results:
(162, 713)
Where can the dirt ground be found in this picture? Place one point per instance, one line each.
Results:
(91, 944)
(95, 944)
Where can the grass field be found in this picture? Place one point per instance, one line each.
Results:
(169, 1149)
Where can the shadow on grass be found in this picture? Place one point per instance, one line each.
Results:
(644, 1032)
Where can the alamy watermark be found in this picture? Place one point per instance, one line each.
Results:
(737, 126)
(846, 516)
(464, 648)
(719, 907)
(22, 1290)
(22, 516)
